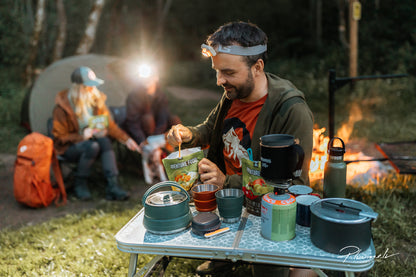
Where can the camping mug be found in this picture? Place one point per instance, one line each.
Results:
(230, 204)
(281, 157)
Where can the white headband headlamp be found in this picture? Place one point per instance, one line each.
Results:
(209, 51)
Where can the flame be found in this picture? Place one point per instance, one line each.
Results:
(320, 146)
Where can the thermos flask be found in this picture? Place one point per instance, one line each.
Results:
(335, 172)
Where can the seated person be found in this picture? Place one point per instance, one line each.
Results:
(82, 128)
(147, 111)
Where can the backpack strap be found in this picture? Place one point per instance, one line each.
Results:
(35, 182)
(59, 180)
(289, 103)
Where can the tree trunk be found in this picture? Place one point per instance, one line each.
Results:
(61, 37)
(91, 29)
(114, 28)
(34, 41)
(342, 26)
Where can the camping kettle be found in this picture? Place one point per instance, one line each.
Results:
(167, 211)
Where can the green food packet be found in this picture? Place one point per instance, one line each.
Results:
(183, 170)
(253, 184)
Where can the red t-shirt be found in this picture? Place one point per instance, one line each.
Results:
(237, 133)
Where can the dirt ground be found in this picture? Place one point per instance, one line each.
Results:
(14, 215)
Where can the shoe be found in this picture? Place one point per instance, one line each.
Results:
(210, 267)
(81, 189)
(114, 192)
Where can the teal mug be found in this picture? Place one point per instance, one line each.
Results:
(230, 204)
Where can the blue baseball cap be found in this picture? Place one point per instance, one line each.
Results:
(84, 75)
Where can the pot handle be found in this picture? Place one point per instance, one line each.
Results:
(347, 209)
(301, 155)
(161, 185)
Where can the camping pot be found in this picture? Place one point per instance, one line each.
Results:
(167, 211)
(281, 157)
(341, 226)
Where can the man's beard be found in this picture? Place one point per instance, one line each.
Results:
(240, 92)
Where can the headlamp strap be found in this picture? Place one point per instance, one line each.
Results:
(234, 50)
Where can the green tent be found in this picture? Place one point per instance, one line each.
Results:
(115, 72)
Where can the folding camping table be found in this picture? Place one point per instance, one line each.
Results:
(242, 243)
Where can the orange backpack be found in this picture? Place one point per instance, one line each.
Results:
(32, 183)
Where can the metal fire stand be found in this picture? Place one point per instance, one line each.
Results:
(336, 83)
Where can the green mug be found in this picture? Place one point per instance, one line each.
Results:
(230, 204)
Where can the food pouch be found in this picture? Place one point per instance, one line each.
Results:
(183, 170)
(253, 184)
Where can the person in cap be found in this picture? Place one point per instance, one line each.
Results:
(254, 103)
(82, 128)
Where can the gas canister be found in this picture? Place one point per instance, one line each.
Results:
(278, 216)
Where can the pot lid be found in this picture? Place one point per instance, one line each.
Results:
(342, 210)
(300, 189)
(166, 198)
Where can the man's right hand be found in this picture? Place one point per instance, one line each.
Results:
(178, 134)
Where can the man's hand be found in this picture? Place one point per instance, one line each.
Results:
(132, 145)
(178, 134)
(209, 173)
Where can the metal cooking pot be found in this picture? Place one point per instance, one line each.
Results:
(281, 157)
(167, 211)
(341, 226)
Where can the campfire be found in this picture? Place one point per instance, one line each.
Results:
(362, 171)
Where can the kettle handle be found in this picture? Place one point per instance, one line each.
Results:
(160, 185)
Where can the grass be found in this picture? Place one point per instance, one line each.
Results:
(84, 245)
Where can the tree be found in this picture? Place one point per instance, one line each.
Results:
(91, 28)
(40, 17)
(61, 37)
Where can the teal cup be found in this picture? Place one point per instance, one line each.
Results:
(230, 204)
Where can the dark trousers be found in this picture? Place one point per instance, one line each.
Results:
(85, 153)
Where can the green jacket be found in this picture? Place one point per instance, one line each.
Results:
(294, 118)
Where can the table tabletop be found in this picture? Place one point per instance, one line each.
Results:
(242, 243)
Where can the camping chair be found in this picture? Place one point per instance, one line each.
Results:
(67, 167)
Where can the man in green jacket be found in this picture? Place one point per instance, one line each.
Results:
(254, 103)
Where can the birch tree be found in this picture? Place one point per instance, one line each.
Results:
(61, 36)
(34, 41)
(91, 28)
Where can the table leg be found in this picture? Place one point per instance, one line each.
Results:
(132, 265)
(319, 272)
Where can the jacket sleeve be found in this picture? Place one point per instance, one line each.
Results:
(201, 134)
(62, 132)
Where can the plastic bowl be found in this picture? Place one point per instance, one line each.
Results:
(204, 192)
(205, 205)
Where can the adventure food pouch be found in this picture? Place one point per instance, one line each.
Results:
(253, 184)
(183, 170)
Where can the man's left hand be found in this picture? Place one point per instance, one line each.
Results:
(209, 173)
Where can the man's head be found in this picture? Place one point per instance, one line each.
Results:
(242, 34)
(238, 51)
